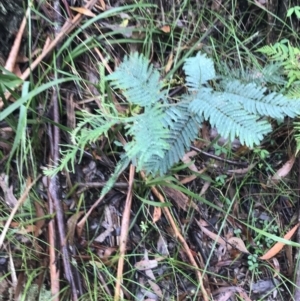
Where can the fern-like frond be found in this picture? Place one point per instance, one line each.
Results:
(90, 128)
(183, 129)
(271, 74)
(83, 135)
(139, 82)
(150, 136)
(198, 69)
(278, 51)
(294, 91)
(255, 100)
(66, 163)
(159, 137)
(288, 56)
(229, 117)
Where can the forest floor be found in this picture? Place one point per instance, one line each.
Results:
(222, 224)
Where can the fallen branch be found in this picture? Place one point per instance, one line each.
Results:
(124, 234)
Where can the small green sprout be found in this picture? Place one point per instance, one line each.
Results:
(220, 180)
(252, 262)
(262, 153)
(144, 227)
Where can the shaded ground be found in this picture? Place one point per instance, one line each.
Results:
(198, 233)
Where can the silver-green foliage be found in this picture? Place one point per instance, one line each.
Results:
(139, 81)
(182, 128)
(160, 135)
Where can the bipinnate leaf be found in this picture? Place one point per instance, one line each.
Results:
(198, 69)
(162, 132)
(229, 117)
(150, 137)
(183, 129)
(256, 100)
(138, 80)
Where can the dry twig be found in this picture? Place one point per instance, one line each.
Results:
(11, 60)
(124, 234)
(54, 270)
(297, 257)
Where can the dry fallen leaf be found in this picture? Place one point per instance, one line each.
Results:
(156, 214)
(261, 3)
(234, 289)
(71, 225)
(83, 11)
(162, 246)
(224, 296)
(187, 160)
(40, 218)
(169, 63)
(243, 295)
(146, 264)
(9, 197)
(241, 171)
(181, 200)
(284, 170)
(237, 243)
(102, 5)
(279, 245)
(211, 235)
(6, 133)
(108, 223)
(276, 267)
(165, 28)
(155, 287)
(5, 287)
(204, 188)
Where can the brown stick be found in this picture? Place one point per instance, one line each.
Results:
(11, 60)
(54, 271)
(297, 258)
(124, 234)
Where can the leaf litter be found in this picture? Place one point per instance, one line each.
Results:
(204, 230)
